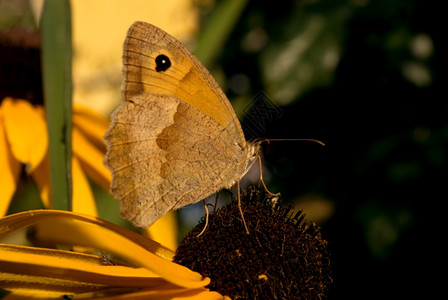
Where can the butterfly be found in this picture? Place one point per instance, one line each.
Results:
(174, 139)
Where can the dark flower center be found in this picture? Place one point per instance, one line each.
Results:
(20, 69)
(283, 257)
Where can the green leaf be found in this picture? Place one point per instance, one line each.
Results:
(57, 81)
(217, 30)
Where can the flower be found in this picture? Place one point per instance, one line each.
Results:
(24, 142)
(282, 257)
(23, 128)
(49, 273)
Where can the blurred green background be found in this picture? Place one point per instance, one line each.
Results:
(365, 77)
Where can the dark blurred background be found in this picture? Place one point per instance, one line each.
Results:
(365, 78)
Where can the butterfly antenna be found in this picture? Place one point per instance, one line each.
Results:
(283, 140)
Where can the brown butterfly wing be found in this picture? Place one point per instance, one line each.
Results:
(186, 78)
(164, 165)
(167, 149)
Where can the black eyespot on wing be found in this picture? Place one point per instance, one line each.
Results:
(163, 63)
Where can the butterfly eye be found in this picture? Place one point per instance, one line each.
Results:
(163, 63)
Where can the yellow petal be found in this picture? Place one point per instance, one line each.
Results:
(25, 272)
(26, 131)
(164, 230)
(20, 220)
(91, 159)
(89, 235)
(177, 294)
(91, 124)
(83, 267)
(41, 177)
(10, 170)
(83, 200)
(75, 229)
(50, 271)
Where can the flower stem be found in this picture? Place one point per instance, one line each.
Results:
(57, 81)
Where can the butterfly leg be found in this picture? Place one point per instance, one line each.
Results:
(240, 208)
(262, 181)
(206, 219)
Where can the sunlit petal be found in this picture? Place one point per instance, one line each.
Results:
(26, 131)
(92, 269)
(91, 159)
(83, 200)
(178, 294)
(164, 230)
(62, 227)
(51, 273)
(91, 124)
(17, 221)
(41, 177)
(30, 272)
(57, 271)
(10, 170)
